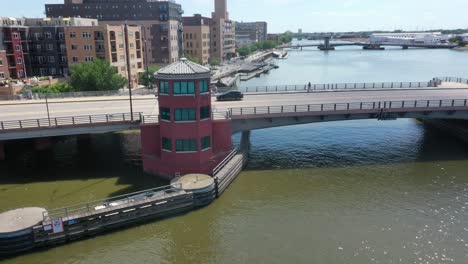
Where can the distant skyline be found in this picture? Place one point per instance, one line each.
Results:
(311, 15)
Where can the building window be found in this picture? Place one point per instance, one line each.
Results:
(131, 45)
(50, 47)
(86, 34)
(122, 68)
(186, 145)
(19, 61)
(1, 62)
(15, 35)
(51, 59)
(164, 87)
(18, 48)
(185, 114)
(21, 74)
(165, 113)
(75, 59)
(166, 144)
(205, 143)
(72, 34)
(205, 112)
(2, 75)
(121, 46)
(122, 57)
(89, 59)
(74, 47)
(203, 85)
(48, 35)
(182, 88)
(88, 47)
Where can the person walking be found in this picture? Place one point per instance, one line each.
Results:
(309, 87)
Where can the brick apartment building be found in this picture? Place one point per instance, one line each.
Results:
(51, 46)
(248, 33)
(14, 41)
(223, 43)
(197, 37)
(161, 22)
(4, 72)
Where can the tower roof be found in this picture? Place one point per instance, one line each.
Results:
(183, 69)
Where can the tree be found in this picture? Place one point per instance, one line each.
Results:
(194, 59)
(215, 62)
(147, 77)
(96, 76)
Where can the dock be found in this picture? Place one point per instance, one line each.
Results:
(26, 229)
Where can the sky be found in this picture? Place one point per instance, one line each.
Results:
(311, 15)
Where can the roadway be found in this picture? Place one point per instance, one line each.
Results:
(149, 106)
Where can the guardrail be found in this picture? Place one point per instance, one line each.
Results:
(332, 107)
(106, 203)
(150, 119)
(336, 86)
(69, 121)
(226, 160)
(94, 94)
(453, 79)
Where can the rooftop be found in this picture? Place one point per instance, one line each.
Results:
(183, 69)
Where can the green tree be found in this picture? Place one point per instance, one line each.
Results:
(215, 62)
(194, 59)
(147, 77)
(96, 76)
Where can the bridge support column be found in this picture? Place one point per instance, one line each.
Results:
(43, 143)
(245, 141)
(2, 151)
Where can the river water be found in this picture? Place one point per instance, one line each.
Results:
(343, 192)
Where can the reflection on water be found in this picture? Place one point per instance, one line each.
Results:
(340, 192)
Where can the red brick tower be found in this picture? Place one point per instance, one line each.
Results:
(186, 139)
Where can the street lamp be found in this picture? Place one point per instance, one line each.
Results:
(129, 70)
(47, 107)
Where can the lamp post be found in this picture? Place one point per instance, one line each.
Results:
(47, 107)
(129, 69)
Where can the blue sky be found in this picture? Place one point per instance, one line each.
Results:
(311, 15)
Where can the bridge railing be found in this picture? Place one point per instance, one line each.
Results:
(69, 121)
(150, 119)
(453, 79)
(335, 86)
(343, 107)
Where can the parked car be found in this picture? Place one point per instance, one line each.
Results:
(230, 96)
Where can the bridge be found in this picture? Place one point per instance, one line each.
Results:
(263, 107)
(327, 45)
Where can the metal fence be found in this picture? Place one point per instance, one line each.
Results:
(336, 86)
(262, 110)
(95, 206)
(70, 121)
(453, 79)
(94, 94)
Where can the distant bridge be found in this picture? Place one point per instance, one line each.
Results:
(327, 45)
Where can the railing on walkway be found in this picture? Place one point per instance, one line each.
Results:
(226, 160)
(106, 203)
(335, 86)
(331, 107)
(69, 121)
(453, 79)
(150, 119)
(95, 94)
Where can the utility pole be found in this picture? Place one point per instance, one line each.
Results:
(148, 74)
(129, 69)
(47, 106)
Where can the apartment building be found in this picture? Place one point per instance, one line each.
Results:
(51, 46)
(4, 72)
(14, 43)
(106, 42)
(197, 37)
(222, 33)
(248, 33)
(161, 22)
